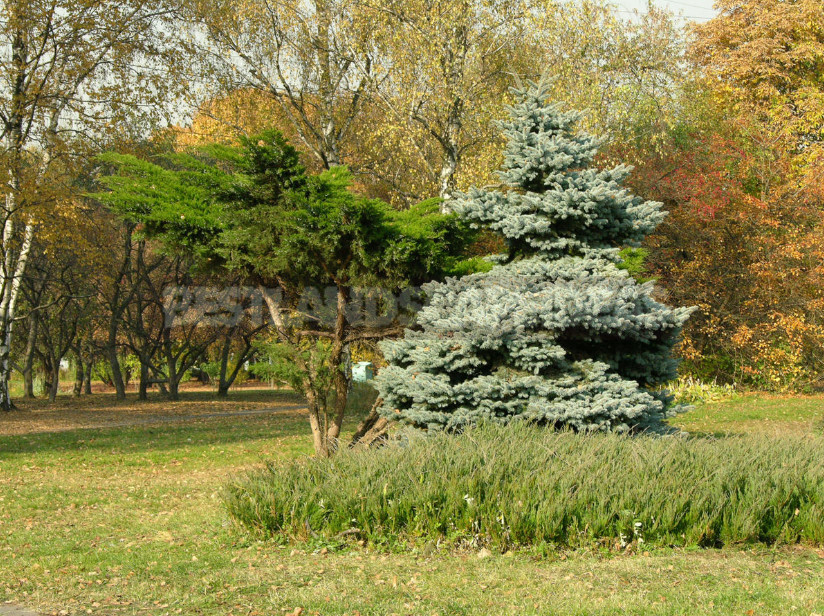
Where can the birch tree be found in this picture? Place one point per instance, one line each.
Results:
(452, 63)
(316, 59)
(70, 72)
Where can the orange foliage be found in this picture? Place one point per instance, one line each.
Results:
(743, 181)
(751, 261)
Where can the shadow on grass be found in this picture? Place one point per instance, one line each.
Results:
(108, 401)
(179, 433)
(148, 438)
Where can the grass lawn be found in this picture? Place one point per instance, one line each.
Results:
(756, 413)
(128, 520)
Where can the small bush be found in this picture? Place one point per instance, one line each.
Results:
(691, 390)
(521, 486)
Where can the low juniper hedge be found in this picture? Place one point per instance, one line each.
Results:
(522, 486)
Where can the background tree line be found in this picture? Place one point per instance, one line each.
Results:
(724, 122)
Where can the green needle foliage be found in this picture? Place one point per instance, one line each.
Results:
(253, 209)
(557, 333)
(552, 489)
(171, 198)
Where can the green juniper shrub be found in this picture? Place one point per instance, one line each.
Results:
(520, 486)
(308, 242)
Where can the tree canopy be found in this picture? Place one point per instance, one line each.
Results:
(253, 209)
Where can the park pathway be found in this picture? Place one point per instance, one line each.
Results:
(6, 609)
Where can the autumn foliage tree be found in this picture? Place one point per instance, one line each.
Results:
(768, 55)
(71, 72)
(740, 174)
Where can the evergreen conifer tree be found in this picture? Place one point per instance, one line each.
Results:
(556, 333)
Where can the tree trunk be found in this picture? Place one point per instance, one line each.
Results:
(79, 371)
(143, 385)
(174, 391)
(318, 434)
(28, 382)
(14, 260)
(174, 380)
(5, 396)
(87, 377)
(227, 377)
(28, 360)
(55, 386)
(117, 375)
(446, 180)
(53, 376)
(48, 375)
(324, 435)
(327, 87)
(372, 431)
(455, 65)
(5, 373)
(341, 378)
(451, 152)
(117, 307)
(8, 302)
(222, 382)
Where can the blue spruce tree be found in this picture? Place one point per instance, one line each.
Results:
(556, 333)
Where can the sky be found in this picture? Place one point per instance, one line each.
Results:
(694, 10)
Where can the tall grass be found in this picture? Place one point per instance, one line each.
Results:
(521, 486)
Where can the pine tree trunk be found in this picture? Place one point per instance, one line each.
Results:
(341, 379)
(372, 431)
(318, 435)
